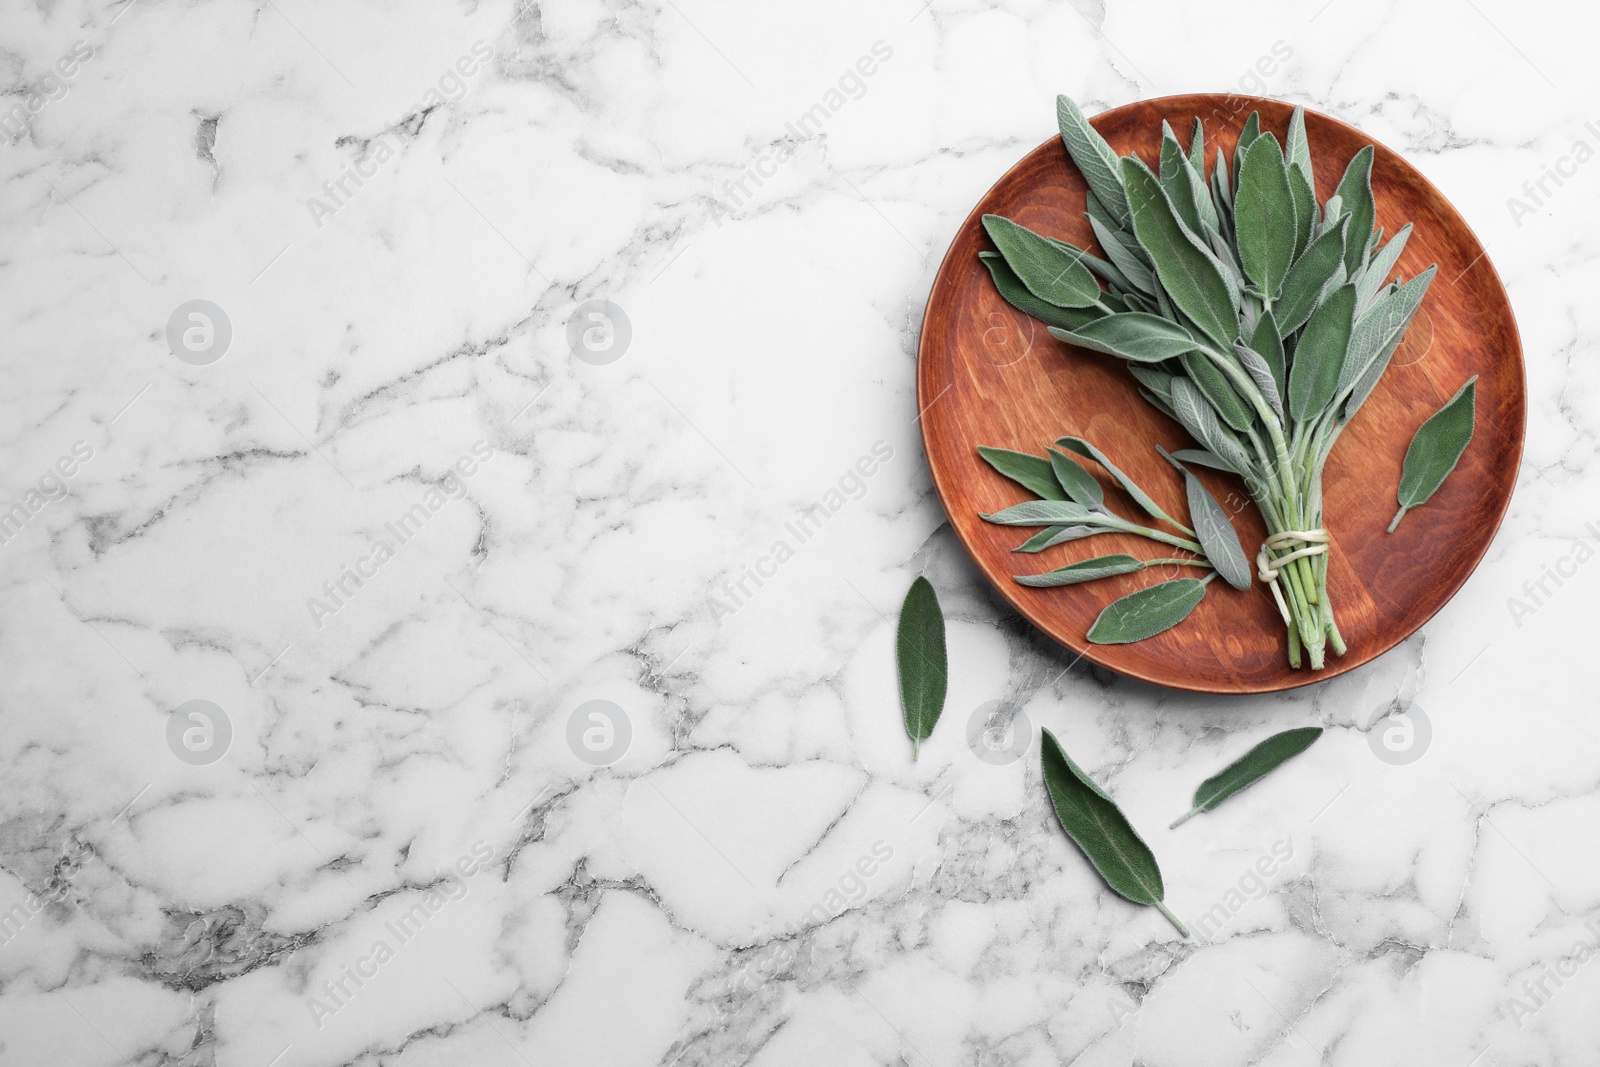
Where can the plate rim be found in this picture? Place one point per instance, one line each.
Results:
(1297, 679)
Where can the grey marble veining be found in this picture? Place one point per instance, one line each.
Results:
(539, 724)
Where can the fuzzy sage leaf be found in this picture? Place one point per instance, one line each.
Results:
(1437, 448)
(1250, 768)
(1213, 529)
(1098, 827)
(1031, 472)
(1149, 611)
(921, 660)
(1048, 270)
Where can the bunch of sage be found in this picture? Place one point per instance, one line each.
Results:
(1253, 315)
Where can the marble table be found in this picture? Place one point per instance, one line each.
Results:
(461, 470)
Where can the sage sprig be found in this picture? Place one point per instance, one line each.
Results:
(1250, 768)
(1436, 448)
(921, 660)
(1098, 827)
(1257, 318)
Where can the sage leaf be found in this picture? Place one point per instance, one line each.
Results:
(1016, 294)
(1097, 826)
(1083, 571)
(1320, 355)
(1147, 612)
(1213, 529)
(920, 657)
(1219, 391)
(1203, 458)
(1042, 513)
(1267, 342)
(1378, 269)
(1189, 273)
(1118, 251)
(1197, 147)
(1264, 375)
(1247, 136)
(1222, 195)
(1380, 330)
(1308, 278)
(1079, 484)
(1265, 222)
(1033, 473)
(1095, 159)
(1299, 149)
(1250, 768)
(1305, 209)
(1200, 419)
(1140, 497)
(1175, 182)
(1401, 315)
(1051, 536)
(1049, 271)
(1355, 197)
(1436, 449)
(1136, 336)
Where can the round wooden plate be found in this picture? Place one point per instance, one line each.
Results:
(989, 375)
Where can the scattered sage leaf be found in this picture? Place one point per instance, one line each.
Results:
(921, 659)
(1250, 768)
(1033, 473)
(1149, 611)
(1097, 826)
(1049, 271)
(1051, 536)
(1436, 449)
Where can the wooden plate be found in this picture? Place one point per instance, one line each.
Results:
(989, 375)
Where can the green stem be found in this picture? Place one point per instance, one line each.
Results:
(1185, 817)
(1173, 919)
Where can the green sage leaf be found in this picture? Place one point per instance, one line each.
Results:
(1262, 373)
(1140, 497)
(1136, 336)
(1213, 528)
(1148, 612)
(1379, 332)
(1079, 484)
(1308, 278)
(1175, 180)
(1121, 250)
(1268, 343)
(1049, 270)
(1189, 273)
(1378, 269)
(1219, 391)
(1095, 159)
(1265, 223)
(1098, 827)
(1355, 196)
(1051, 536)
(1247, 136)
(1250, 768)
(1200, 419)
(1320, 355)
(1305, 209)
(1083, 571)
(1299, 149)
(1016, 294)
(1033, 473)
(1042, 513)
(920, 657)
(1197, 146)
(1436, 449)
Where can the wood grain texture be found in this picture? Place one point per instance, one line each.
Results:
(989, 375)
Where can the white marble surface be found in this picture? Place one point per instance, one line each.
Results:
(699, 900)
